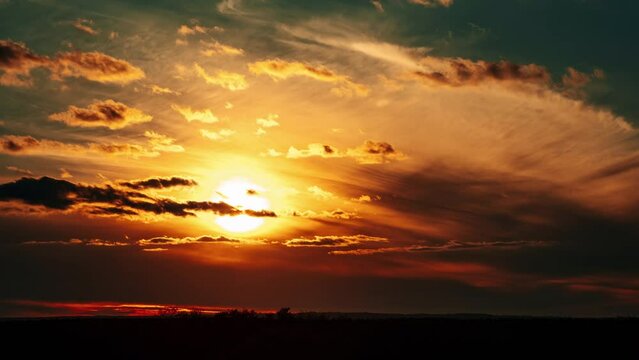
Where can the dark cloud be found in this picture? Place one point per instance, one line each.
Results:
(260, 213)
(108, 113)
(333, 241)
(106, 200)
(471, 207)
(168, 240)
(27, 145)
(619, 168)
(17, 61)
(459, 72)
(14, 144)
(158, 183)
(451, 245)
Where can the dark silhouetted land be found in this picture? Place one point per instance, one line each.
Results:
(246, 335)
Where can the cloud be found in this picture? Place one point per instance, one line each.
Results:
(278, 69)
(217, 135)
(96, 66)
(169, 241)
(228, 80)
(320, 193)
(57, 194)
(17, 61)
(269, 121)
(432, 3)
(107, 113)
(229, 6)
(162, 143)
(333, 214)
(205, 116)
(316, 149)
(333, 241)
(574, 78)
(158, 183)
(159, 90)
(367, 198)
(378, 5)
(186, 30)
(18, 170)
(65, 174)
(28, 145)
(460, 72)
(85, 242)
(448, 246)
(214, 48)
(85, 25)
(371, 152)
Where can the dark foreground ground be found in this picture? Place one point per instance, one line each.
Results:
(318, 337)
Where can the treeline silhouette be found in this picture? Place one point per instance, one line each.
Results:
(247, 334)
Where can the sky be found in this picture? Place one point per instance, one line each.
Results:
(395, 156)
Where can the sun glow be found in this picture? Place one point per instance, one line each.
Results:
(245, 196)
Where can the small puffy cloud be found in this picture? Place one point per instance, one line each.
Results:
(108, 113)
(378, 5)
(205, 116)
(159, 90)
(214, 48)
(432, 3)
(269, 121)
(367, 198)
(65, 174)
(333, 241)
(85, 25)
(217, 135)
(341, 214)
(271, 153)
(278, 69)
(320, 193)
(316, 149)
(228, 80)
(574, 78)
(186, 30)
(157, 183)
(96, 66)
(162, 143)
(171, 241)
(372, 152)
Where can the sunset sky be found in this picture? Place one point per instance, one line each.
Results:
(399, 156)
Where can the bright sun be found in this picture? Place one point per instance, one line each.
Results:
(244, 195)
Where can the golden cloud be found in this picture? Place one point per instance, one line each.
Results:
(108, 113)
(278, 69)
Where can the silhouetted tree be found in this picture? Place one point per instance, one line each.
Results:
(284, 313)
